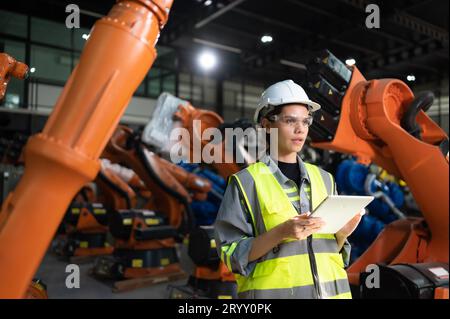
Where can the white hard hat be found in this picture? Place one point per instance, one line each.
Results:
(284, 92)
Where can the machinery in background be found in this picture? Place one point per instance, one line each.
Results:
(115, 186)
(36, 290)
(9, 68)
(144, 245)
(144, 242)
(172, 113)
(84, 231)
(172, 187)
(145, 239)
(113, 178)
(409, 281)
(10, 155)
(64, 156)
(11, 146)
(9, 177)
(210, 278)
(382, 122)
(353, 178)
(205, 211)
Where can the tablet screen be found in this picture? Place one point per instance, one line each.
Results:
(338, 210)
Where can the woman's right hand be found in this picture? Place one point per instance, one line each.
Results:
(301, 226)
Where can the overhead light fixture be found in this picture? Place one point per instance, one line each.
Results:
(32, 70)
(85, 36)
(350, 62)
(207, 60)
(266, 39)
(217, 45)
(411, 78)
(293, 64)
(208, 2)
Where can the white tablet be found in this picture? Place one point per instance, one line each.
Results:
(337, 210)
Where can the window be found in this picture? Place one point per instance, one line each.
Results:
(238, 102)
(13, 23)
(209, 92)
(166, 57)
(51, 64)
(50, 32)
(169, 83)
(141, 88)
(184, 86)
(154, 82)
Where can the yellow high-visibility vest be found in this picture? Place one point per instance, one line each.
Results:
(311, 268)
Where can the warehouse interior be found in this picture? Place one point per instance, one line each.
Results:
(86, 111)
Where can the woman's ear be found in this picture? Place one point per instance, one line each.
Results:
(265, 123)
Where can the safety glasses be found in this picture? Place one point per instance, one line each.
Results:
(292, 121)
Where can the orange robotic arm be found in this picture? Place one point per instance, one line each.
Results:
(172, 187)
(115, 193)
(9, 67)
(381, 121)
(65, 155)
(171, 114)
(187, 115)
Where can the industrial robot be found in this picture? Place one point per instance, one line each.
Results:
(65, 155)
(381, 121)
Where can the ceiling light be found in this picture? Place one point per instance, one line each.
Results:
(207, 60)
(350, 62)
(32, 70)
(266, 39)
(411, 78)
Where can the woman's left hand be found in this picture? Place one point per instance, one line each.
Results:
(350, 227)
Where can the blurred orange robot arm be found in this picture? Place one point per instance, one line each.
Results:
(9, 68)
(61, 159)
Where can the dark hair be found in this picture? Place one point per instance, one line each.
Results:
(277, 110)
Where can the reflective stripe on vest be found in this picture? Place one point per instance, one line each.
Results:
(289, 269)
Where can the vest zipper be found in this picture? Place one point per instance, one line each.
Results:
(312, 261)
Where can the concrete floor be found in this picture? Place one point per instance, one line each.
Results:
(52, 273)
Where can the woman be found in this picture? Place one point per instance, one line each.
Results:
(263, 230)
